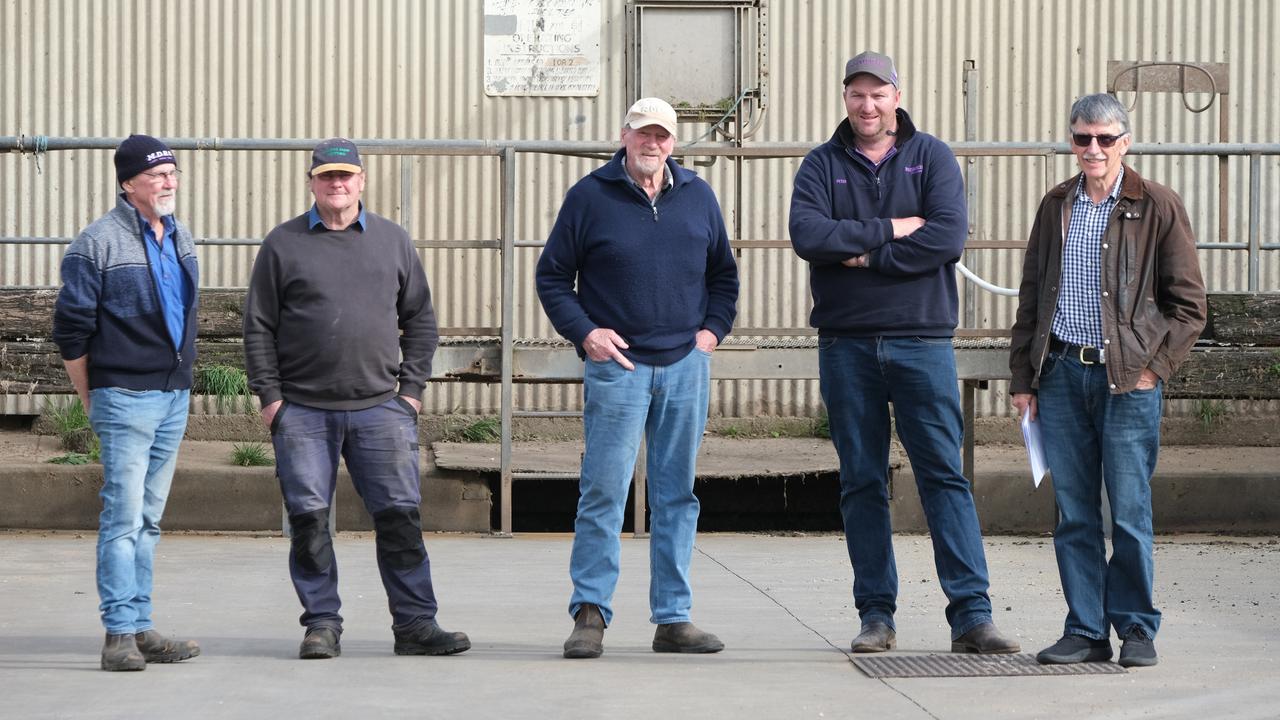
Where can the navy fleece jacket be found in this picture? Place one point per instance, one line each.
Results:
(654, 273)
(842, 207)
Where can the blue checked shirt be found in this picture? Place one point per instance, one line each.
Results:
(1078, 317)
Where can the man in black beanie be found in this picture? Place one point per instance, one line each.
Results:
(125, 324)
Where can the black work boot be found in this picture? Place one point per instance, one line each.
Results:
(985, 639)
(587, 638)
(875, 637)
(431, 639)
(684, 637)
(320, 643)
(156, 648)
(120, 652)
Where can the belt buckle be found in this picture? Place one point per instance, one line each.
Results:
(1102, 355)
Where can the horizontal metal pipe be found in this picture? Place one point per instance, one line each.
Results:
(381, 146)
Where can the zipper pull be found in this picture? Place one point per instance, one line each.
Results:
(655, 211)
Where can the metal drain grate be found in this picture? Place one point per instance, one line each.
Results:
(962, 665)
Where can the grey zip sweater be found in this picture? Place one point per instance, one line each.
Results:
(109, 307)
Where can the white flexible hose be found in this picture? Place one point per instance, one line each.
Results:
(1012, 292)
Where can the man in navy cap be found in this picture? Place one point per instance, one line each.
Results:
(339, 333)
(879, 213)
(125, 325)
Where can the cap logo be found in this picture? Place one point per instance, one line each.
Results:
(158, 154)
(338, 151)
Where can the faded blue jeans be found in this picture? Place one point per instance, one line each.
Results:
(859, 377)
(1093, 437)
(668, 405)
(139, 431)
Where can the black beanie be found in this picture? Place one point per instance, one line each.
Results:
(139, 152)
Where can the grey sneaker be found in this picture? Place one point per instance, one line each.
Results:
(431, 639)
(320, 643)
(874, 637)
(587, 638)
(684, 637)
(1075, 649)
(156, 648)
(120, 653)
(1138, 650)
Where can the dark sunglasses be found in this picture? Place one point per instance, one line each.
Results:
(1083, 140)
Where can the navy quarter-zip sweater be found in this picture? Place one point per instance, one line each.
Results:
(110, 308)
(655, 273)
(842, 207)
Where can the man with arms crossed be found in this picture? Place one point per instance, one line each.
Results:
(879, 213)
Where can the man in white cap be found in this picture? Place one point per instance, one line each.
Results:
(639, 275)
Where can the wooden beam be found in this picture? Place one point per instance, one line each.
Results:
(1230, 373)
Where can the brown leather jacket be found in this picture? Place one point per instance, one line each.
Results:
(1153, 304)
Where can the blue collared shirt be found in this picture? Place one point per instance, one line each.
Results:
(313, 219)
(172, 284)
(1078, 318)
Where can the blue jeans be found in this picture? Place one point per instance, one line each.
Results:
(139, 431)
(668, 405)
(380, 446)
(1093, 437)
(859, 377)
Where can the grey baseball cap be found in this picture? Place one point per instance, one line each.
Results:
(872, 63)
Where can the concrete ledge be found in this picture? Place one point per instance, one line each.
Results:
(209, 493)
(1196, 489)
(1227, 490)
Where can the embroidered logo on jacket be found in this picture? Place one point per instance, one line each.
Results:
(914, 169)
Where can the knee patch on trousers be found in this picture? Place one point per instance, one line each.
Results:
(399, 537)
(312, 546)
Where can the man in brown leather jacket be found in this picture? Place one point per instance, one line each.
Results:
(1111, 302)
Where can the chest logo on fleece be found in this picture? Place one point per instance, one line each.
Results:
(914, 169)
(842, 181)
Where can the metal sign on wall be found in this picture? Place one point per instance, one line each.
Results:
(542, 47)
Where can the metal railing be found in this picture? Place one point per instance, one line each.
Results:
(507, 152)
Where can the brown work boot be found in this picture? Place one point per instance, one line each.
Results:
(985, 639)
(684, 637)
(587, 638)
(156, 648)
(120, 652)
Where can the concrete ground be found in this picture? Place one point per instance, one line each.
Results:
(781, 604)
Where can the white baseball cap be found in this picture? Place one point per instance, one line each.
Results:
(651, 111)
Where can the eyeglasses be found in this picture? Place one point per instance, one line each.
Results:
(1106, 141)
(163, 176)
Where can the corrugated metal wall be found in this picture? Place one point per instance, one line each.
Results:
(405, 69)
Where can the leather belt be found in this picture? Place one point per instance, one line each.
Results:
(1086, 354)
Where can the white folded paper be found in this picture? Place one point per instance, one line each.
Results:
(1035, 448)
